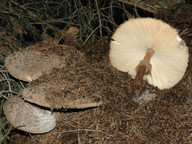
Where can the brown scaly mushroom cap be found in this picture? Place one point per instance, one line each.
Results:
(28, 65)
(32, 62)
(27, 117)
(60, 79)
(168, 52)
(69, 88)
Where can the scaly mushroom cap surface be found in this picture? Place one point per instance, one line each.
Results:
(29, 65)
(32, 62)
(27, 117)
(72, 87)
(131, 41)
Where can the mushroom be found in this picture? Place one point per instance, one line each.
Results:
(57, 82)
(29, 64)
(70, 87)
(32, 111)
(27, 117)
(66, 88)
(32, 62)
(149, 49)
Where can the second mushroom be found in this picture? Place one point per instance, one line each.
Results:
(149, 49)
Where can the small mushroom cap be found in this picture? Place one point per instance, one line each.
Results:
(28, 65)
(27, 117)
(131, 41)
(73, 31)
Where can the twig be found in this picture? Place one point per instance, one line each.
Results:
(8, 91)
(99, 16)
(90, 35)
(138, 6)
(78, 136)
(77, 130)
(9, 130)
(5, 136)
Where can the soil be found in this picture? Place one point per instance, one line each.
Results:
(165, 119)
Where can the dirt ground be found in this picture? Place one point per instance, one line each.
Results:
(121, 120)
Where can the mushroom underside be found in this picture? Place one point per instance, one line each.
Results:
(27, 117)
(131, 42)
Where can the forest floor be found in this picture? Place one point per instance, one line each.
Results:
(165, 119)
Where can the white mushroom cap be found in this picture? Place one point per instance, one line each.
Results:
(27, 117)
(28, 65)
(131, 41)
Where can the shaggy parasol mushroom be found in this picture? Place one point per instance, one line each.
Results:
(32, 62)
(29, 64)
(151, 47)
(27, 117)
(71, 87)
(59, 80)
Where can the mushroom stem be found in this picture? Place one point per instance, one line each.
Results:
(142, 67)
